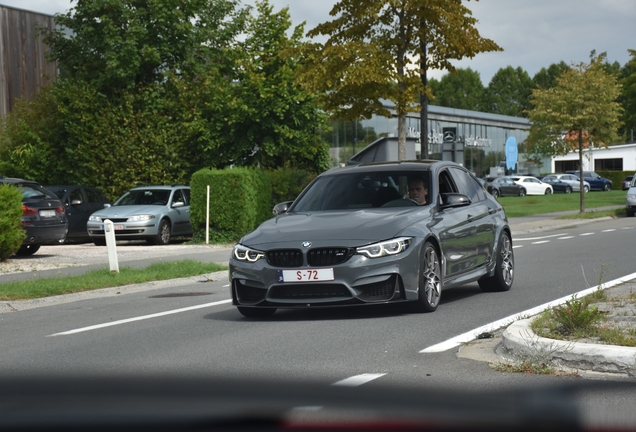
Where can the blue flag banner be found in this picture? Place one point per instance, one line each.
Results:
(512, 153)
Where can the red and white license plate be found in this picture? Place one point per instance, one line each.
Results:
(305, 275)
(117, 227)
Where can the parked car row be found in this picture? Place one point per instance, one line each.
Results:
(72, 213)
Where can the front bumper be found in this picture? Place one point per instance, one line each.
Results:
(359, 280)
(130, 231)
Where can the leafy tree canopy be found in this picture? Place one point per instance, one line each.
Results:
(462, 89)
(581, 109)
(547, 78)
(508, 92)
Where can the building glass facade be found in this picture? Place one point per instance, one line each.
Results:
(479, 144)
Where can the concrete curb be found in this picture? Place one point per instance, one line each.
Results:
(520, 340)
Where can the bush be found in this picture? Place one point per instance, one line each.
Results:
(616, 177)
(287, 184)
(576, 315)
(239, 201)
(11, 232)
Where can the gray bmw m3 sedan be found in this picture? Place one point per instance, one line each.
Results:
(357, 236)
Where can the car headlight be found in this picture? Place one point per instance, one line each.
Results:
(631, 196)
(385, 248)
(139, 218)
(243, 253)
(94, 218)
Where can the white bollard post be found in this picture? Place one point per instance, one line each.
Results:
(207, 217)
(109, 230)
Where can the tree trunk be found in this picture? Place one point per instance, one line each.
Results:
(581, 180)
(401, 137)
(423, 102)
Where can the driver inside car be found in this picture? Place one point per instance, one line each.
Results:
(418, 190)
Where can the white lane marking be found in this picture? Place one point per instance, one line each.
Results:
(472, 334)
(140, 318)
(518, 246)
(628, 228)
(539, 238)
(609, 230)
(565, 238)
(357, 380)
(586, 234)
(541, 242)
(225, 286)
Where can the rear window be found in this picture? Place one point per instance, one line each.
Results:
(33, 191)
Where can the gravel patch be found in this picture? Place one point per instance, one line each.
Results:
(70, 255)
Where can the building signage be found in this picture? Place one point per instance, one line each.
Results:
(512, 152)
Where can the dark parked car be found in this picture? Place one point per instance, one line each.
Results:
(151, 213)
(596, 181)
(504, 186)
(43, 216)
(557, 184)
(353, 238)
(627, 182)
(80, 202)
(571, 179)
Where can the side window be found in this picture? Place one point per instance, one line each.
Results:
(446, 183)
(186, 195)
(178, 197)
(94, 196)
(467, 184)
(76, 195)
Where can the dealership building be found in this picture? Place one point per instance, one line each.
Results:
(475, 139)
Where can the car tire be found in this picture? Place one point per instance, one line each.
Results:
(251, 312)
(630, 213)
(568, 190)
(163, 233)
(504, 268)
(495, 193)
(548, 191)
(99, 242)
(607, 187)
(28, 249)
(430, 289)
(586, 189)
(522, 192)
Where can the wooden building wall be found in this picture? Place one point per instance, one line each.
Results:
(23, 65)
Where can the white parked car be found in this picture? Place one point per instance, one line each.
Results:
(533, 185)
(631, 198)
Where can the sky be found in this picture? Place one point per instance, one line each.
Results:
(533, 33)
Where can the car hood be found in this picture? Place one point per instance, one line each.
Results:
(126, 211)
(345, 227)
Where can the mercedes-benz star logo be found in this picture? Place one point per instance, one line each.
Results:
(307, 244)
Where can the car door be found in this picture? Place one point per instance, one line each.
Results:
(77, 212)
(456, 227)
(180, 212)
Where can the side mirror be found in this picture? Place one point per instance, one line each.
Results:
(452, 200)
(281, 208)
(178, 204)
(106, 205)
(75, 202)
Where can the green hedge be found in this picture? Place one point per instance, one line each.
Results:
(616, 177)
(11, 232)
(240, 199)
(288, 184)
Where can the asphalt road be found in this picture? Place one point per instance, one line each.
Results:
(193, 329)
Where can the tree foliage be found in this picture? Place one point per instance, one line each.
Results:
(153, 90)
(373, 50)
(508, 92)
(547, 78)
(628, 95)
(462, 89)
(581, 109)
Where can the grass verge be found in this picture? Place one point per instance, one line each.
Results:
(103, 278)
(541, 204)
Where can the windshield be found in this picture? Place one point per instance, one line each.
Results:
(32, 191)
(144, 197)
(362, 190)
